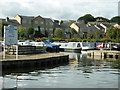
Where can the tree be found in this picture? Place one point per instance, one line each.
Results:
(30, 32)
(21, 32)
(89, 35)
(113, 33)
(87, 18)
(102, 19)
(115, 19)
(38, 33)
(58, 33)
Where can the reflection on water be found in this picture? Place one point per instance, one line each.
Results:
(81, 72)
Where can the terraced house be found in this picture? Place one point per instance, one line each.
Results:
(45, 27)
(38, 23)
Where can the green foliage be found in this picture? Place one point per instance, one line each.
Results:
(30, 32)
(87, 18)
(77, 39)
(1, 39)
(58, 33)
(21, 32)
(115, 19)
(40, 39)
(102, 19)
(89, 35)
(113, 33)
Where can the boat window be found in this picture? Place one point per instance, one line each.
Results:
(85, 44)
(65, 45)
(74, 44)
(78, 45)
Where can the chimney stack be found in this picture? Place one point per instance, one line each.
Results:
(7, 19)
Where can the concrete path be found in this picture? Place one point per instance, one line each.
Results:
(29, 57)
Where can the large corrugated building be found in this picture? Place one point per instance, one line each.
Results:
(119, 8)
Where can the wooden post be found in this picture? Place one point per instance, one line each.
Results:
(101, 54)
(4, 51)
(16, 51)
(116, 56)
(93, 54)
(105, 55)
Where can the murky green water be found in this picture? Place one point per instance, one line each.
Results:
(81, 72)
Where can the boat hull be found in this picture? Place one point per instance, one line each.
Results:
(71, 50)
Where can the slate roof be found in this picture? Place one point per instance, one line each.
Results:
(69, 22)
(48, 19)
(65, 26)
(107, 25)
(27, 17)
(92, 27)
(100, 27)
(82, 26)
(13, 22)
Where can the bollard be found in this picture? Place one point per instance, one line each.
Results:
(93, 54)
(116, 56)
(110, 56)
(105, 55)
(101, 54)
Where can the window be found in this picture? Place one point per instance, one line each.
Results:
(36, 22)
(47, 29)
(78, 45)
(41, 29)
(36, 29)
(41, 22)
(24, 21)
(51, 23)
(47, 23)
(51, 29)
(29, 22)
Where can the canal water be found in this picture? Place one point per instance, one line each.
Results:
(81, 72)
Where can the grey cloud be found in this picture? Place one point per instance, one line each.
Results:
(61, 9)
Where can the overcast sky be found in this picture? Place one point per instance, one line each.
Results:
(59, 9)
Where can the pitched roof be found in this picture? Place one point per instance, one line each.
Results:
(13, 22)
(27, 17)
(81, 26)
(69, 22)
(100, 27)
(107, 25)
(48, 19)
(92, 27)
(65, 26)
(36, 17)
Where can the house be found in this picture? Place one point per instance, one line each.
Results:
(66, 30)
(80, 28)
(105, 26)
(49, 26)
(24, 21)
(12, 22)
(86, 30)
(94, 31)
(45, 25)
(116, 25)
